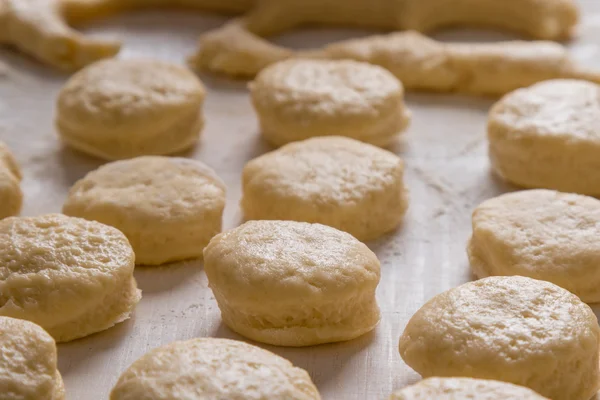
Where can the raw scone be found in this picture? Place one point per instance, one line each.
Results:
(169, 208)
(546, 136)
(28, 362)
(118, 109)
(70, 276)
(513, 329)
(463, 389)
(11, 196)
(293, 283)
(213, 369)
(299, 99)
(541, 234)
(352, 186)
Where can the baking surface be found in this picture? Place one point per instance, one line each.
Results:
(447, 173)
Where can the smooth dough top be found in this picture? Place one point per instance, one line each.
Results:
(8, 160)
(464, 389)
(166, 189)
(562, 109)
(325, 171)
(213, 369)
(27, 361)
(129, 94)
(284, 261)
(54, 267)
(314, 88)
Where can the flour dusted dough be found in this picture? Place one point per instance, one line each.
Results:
(352, 186)
(70, 276)
(541, 234)
(213, 369)
(169, 208)
(11, 196)
(546, 136)
(300, 99)
(463, 389)
(292, 283)
(513, 329)
(28, 362)
(117, 109)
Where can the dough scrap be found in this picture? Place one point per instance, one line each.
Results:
(11, 196)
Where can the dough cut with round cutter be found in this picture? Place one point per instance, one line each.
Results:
(546, 136)
(70, 276)
(463, 389)
(28, 362)
(208, 368)
(11, 196)
(169, 208)
(513, 329)
(117, 109)
(542, 234)
(299, 99)
(293, 283)
(352, 186)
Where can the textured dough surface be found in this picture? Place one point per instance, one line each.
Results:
(71, 276)
(542, 234)
(293, 283)
(213, 369)
(28, 362)
(11, 196)
(169, 208)
(352, 186)
(546, 136)
(513, 329)
(464, 389)
(117, 109)
(300, 99)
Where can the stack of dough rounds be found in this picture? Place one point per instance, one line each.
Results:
(28, 362)
(169, 208)
(463, 389)
(292, 283)
(352, 186)
(209, 368)
(547, 136)
(11, 196)
(299, 99)
(117, 109)
(542, 234)
(70, 276)
(513, 329)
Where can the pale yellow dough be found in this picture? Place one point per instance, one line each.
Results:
(352, 186)
(118, 109)
(546, 136)
(70, 276)
(213, 369)
(513, 329)
(292, 283)
(169, 208)
(11, 196)
(542, 234)
(300, 99)
(464, 389)
(28, 362)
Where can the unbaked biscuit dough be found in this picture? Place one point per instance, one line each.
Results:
(70, 276)
(28, 362)
(464, 389)
(292, 283)
(211, 369)
(11, 196)
(117, 109)
(300, 99)
(169, 208)
(349, 185)
(547, 136)
(513, 329)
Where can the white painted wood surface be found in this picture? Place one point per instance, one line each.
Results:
(447, 173)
